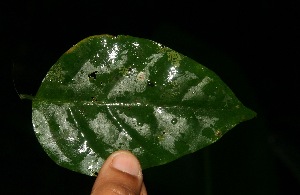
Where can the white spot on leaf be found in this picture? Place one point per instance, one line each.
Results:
(207, 122)
(138, 151)
(137, 82)
(123, 141)
(81, 79)
(197, 91)
(109, 133)
(44, 135)
(172, 73)
(91, 164)
(143, 130)
(104, 128)
(169, 131)
(185, 77)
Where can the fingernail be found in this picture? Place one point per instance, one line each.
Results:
(126, 163)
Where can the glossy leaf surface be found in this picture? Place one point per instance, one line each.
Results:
(109, 93)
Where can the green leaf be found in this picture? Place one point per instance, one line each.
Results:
(109, 93)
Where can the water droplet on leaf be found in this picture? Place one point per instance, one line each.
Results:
(174, 121)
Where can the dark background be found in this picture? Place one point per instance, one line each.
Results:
(251, 45)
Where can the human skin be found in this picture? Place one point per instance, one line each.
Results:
(121, 174)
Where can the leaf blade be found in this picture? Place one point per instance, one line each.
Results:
(109, 93)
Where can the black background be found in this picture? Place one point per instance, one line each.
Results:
(251, 45)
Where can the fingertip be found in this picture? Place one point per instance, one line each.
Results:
(143, 190)
(126, 162)
(122, 172)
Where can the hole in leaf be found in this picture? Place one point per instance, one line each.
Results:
(93, 75)
(150, 83)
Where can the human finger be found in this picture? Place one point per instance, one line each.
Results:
(120, 174)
